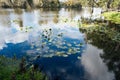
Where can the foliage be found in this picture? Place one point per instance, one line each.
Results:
(6, 67)
(112, 33)
(12, 69)
(72, 4)
(50, 4)
(115, 4)
(114, 17)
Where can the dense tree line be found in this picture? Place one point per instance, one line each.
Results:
(29, 3)
(107, 4)
(114, 4)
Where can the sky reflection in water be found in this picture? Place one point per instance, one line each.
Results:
(55, 37)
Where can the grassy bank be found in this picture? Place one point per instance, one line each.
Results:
(13, 69)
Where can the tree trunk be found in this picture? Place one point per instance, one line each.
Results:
(109, 3)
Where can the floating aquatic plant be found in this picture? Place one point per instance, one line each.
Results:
(53, 44)
(79, 57)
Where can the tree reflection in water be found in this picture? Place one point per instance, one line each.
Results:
(110, 47)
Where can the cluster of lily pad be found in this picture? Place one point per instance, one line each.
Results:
(52, 43)
(21, 27)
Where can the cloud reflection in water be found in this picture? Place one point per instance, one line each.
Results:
(95, 69)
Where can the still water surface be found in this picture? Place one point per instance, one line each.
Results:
(52, 40)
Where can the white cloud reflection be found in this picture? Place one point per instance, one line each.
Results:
(14, 34)
(7, 36)
(95, 69)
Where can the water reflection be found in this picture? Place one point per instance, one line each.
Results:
(4, 18)
(111, 55)
(52, 40)
(95, 69)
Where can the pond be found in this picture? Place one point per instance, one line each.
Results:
(52, 40)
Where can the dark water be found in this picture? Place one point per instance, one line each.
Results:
(53, 40)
